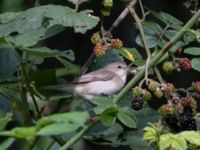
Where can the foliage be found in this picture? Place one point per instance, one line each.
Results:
(37, 118)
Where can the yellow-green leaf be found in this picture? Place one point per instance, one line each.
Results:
(124, 52)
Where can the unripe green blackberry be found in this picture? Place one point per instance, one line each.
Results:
(137, 91)
(168, 67)
(166, 109)
(95, 38)
(158, 93)
(153, 85)
(146, 95)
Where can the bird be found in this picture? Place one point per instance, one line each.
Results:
(102, 82)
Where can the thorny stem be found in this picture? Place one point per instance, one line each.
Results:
(141, 29)
(157, 57)
(114, 25)
(77, 137)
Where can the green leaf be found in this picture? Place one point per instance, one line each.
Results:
(6, 144)
(169, 34)
(134, 140)
(108, 117)
(41, 22)
(192, 51)
(21, 132)
(78, 118)
(152, 28)
(196, 64)
(127, 117)
(102, 103)
(57, 129)
(4, 120)
(179, 143)
(124, 52)
(148, 115)
(165, 141)
(151, 40)
(9, 63)
(192, 137)
(168, 19)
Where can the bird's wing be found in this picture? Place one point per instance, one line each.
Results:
(100, 75)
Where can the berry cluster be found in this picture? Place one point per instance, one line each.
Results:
(103, 43)
(179, 64)
(178, 114)
(140, 95)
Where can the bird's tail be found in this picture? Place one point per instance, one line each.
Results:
(61, 87)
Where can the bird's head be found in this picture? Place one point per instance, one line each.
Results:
(119, 68)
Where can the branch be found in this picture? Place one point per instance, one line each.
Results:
(157, 57)
(77, 137)
(141, 29)
(114, 25)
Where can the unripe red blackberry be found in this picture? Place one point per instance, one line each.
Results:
(196, 86)
(153, 85)
(146, 95)
(169, 88)
(99, 50)
(158, 93)
(168, 67)
(116, 43)
(137, 91)
(137, 103)
(185, 63)
(95, 38)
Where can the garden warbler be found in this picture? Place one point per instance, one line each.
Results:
(105, 81)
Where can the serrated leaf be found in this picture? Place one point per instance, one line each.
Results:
(151, 40)
(165, 141)
(192, 51)
(167, 18)
(179, 143)
(6, 144)
(196, 64)
(38, 23)
(108, 117)
(127, 119)
(101, 103)
(169, 34)
(152, 28)
(192, 137)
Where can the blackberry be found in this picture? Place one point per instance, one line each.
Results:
(188, 125)
(172, 122)
(187, 112)
(137, 103)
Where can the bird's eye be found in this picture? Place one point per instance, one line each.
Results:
(119, 66)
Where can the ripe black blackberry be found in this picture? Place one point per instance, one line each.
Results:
(172, 122)
(137, 103)
(187, 112)
(188, 125)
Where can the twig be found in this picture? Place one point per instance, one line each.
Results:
(114, 25)
(77, 137)
(141, 29)
(157, 72)
(157, 57)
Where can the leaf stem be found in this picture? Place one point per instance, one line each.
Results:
(157, 57)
